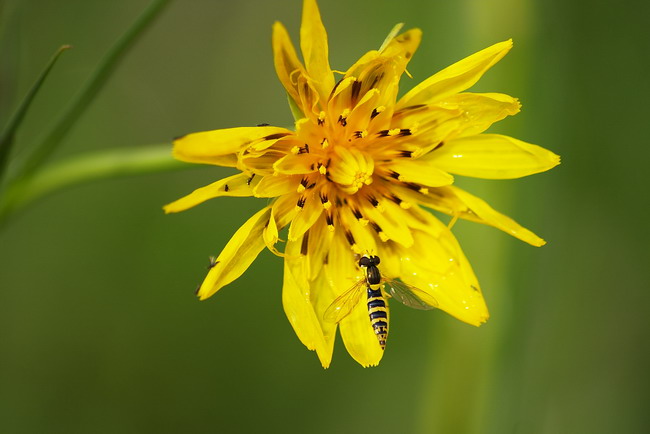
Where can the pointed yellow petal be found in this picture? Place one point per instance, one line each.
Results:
(297, 304)
(270, 234)
(296, 164)
(362, 234)
(240, 185)
(238, 255)
(492, 217)
(420, 171)
(318, 246)
(313, 43)
(359, 338)
(284, 209)
(306, 216)
(286, 62)
(273, 186)
(388, 221)
(321, 296)
(437, 265)
(455, 78)
(492, 156)
(456, 202)
(477, 111)
(401, 48)
(220, 147)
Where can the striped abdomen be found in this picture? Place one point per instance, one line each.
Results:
(378, 315)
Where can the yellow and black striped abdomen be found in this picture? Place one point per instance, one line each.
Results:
(378, 314)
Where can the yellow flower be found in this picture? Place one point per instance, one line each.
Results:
(355, 176)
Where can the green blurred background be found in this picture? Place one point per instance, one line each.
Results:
(99, 328)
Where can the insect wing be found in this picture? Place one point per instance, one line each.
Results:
(409, 295)
(344, 303)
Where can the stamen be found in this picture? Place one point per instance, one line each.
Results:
(325, 201)
(406, 154)
(360, 134)
(302, 186)
(304, 247)
(343, 117)
(439, 145)
(376, 111)
(329, 218)
(321, 118)
(275, 136)
(325, 143)
(249, 180)
(263, 125)
(301, 202)
(354, 95)
(225, 187)
(349, 237)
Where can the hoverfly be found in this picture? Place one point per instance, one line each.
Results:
(378, 288)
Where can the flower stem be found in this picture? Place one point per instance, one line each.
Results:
(85, 168)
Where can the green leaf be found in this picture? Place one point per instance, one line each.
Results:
(8, 133)
(90, 89)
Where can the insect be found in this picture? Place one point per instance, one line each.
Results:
(378, 288)
(213, 262)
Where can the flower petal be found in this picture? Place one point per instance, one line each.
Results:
(477, 111)
(492, 156)
(286, 61)
(420, 171)
(401, 48)
(388, 222)
(221, 147)
(307, 215)
(238, 255)
(437, 265)
(313, 43)
(240, 185)
(297, 304)
(455, 78)
(318, 243)
(457, 202)
(273, 186)
(296, 164)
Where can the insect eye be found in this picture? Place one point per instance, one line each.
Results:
(364, 261)
(375, 260)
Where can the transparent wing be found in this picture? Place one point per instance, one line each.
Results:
(409, 295)
(344, 303)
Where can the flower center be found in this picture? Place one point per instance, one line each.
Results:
(351, 169)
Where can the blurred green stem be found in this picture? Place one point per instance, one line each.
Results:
(85, 168)
(468, 382)
(90, 90)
